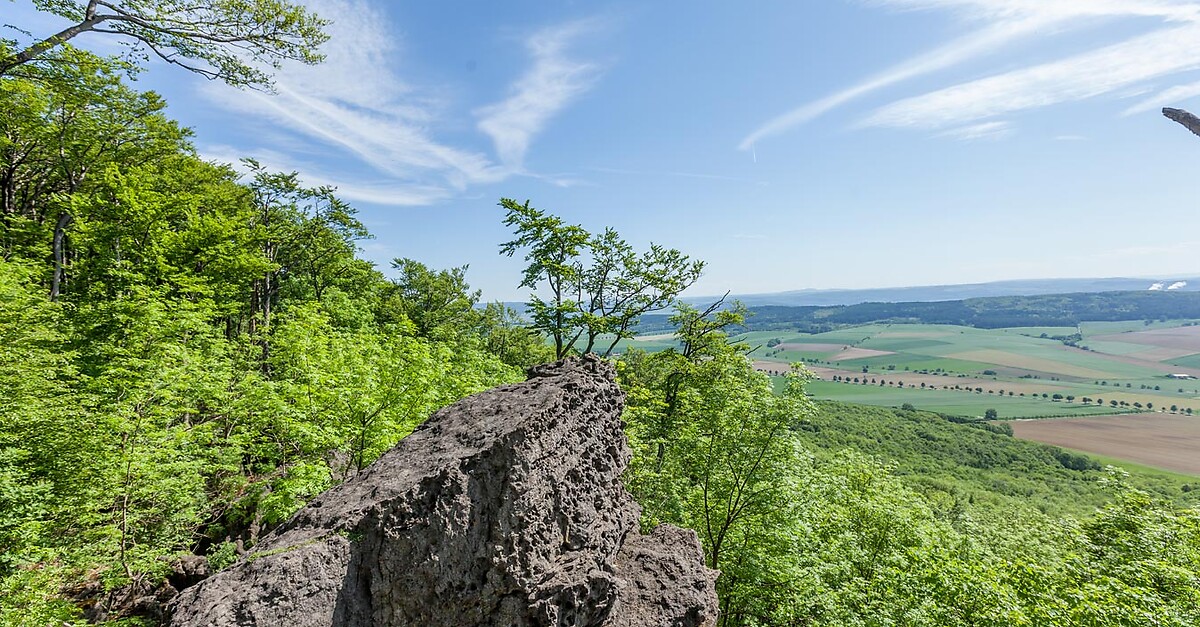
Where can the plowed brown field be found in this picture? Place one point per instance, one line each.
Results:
(1167, 441)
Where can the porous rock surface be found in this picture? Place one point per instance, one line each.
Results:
(504, 509)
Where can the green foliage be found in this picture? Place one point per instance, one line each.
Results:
(714, 450)
(506, 336)
(31, 597)
(963, 524)
(230, 40)
(552, 250)
(969, 462)
(597, 283)
(187, 358)
(439, 303)
(35, 373)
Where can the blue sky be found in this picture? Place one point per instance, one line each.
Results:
(791, 145)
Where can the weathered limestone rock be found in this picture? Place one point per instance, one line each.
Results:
(503, 509)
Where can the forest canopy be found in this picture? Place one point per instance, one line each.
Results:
(187, 355)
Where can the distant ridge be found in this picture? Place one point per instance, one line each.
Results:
(934, 293)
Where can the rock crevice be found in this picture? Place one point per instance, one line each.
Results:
(506, 508)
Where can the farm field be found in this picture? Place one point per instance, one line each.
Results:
(1170, 442)
(953, 402)
(1126, 366)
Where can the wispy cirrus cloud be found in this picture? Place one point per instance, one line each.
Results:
(554, 80)
(360, 188)
(354, 122)
(962, 49)
(983, 130)
(1165, 97)
(1155, 55)
(1166, 51)
(686, 175)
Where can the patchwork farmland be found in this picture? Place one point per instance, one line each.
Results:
(1100, 368)
(1124, 390)
(1073, 375)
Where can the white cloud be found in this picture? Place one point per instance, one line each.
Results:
(687, 175)
(983, 130)
(1165, 52)
(1086, 75)
(1175, 10)
(373, 134)
(962, 49)
(552, 83)
(381, 191)
(1165, 98)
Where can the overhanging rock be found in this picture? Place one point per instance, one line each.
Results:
(504, 509)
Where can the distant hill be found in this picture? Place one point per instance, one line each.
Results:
(1033, 302)
(932, 293)
(1046, 310)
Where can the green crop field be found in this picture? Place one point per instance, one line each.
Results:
(1019, 369)
(1190, 361)
(953, 402)
(1038, 331)
(1130, 369)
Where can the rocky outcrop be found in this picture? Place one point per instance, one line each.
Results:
(504, 509)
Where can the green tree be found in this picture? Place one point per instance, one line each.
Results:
(186, 358)
(714, 450)
(223, 39)
(306, 242)
(439, 303)
(64, 132)
(38, 443)
(364, 390)
(552, 249)
(597, 284)
(619, 286)
(505, 335)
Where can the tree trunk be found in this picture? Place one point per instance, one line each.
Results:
(8, 202)
(59, 244)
